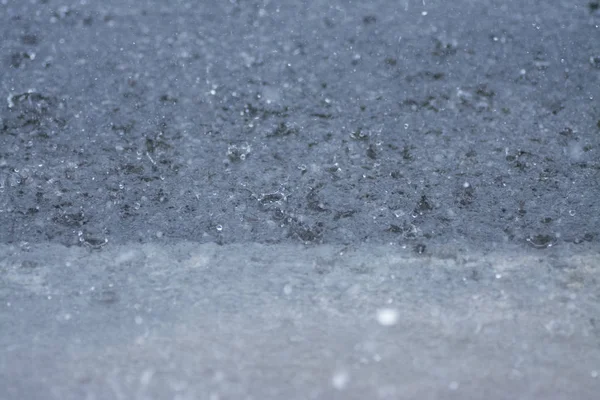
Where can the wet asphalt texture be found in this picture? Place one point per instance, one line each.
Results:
(215, 199)
(311, 122)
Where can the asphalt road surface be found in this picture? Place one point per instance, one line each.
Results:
(299, 199)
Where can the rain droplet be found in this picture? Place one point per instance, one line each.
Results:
(340, 379)
(387, 316)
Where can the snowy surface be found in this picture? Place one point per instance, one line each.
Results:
(190, 321)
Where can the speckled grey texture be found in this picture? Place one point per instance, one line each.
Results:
(213, 199)
(287, 121)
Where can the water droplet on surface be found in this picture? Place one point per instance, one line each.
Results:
(237, 153)
(219, 228)
(105, 296)
(92, 240)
